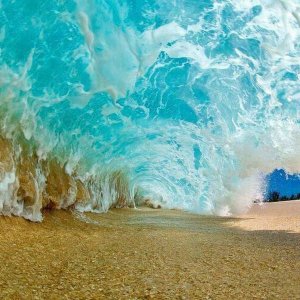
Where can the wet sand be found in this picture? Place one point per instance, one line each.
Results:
(148, 254)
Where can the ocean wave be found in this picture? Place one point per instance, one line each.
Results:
(187, 105)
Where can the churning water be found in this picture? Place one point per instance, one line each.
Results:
(187, 103)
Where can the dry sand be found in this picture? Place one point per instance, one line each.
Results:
(152, 254)
(272, 216)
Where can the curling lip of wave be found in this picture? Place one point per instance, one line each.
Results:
(114, 104)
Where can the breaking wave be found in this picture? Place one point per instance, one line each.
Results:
(185, 104)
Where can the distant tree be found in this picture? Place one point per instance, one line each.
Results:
(274, 197)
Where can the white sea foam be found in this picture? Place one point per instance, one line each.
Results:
(206, 152)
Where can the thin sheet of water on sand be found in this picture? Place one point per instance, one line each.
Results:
(146, 254)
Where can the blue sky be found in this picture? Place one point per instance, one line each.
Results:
(283, 183)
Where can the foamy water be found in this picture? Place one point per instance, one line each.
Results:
(111, 103)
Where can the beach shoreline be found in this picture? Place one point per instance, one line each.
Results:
(281, 216)
(149, 254)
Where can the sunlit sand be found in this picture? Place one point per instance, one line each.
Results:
(272, 216)
(147, 254)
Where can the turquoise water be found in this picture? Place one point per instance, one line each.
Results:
(193, 100)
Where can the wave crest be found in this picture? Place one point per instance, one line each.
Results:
(194, 102)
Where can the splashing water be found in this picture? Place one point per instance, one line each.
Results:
(108, 103)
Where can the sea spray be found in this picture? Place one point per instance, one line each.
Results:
(192, 102)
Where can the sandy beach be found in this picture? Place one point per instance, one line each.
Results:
(282, 216)
(153, 254)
